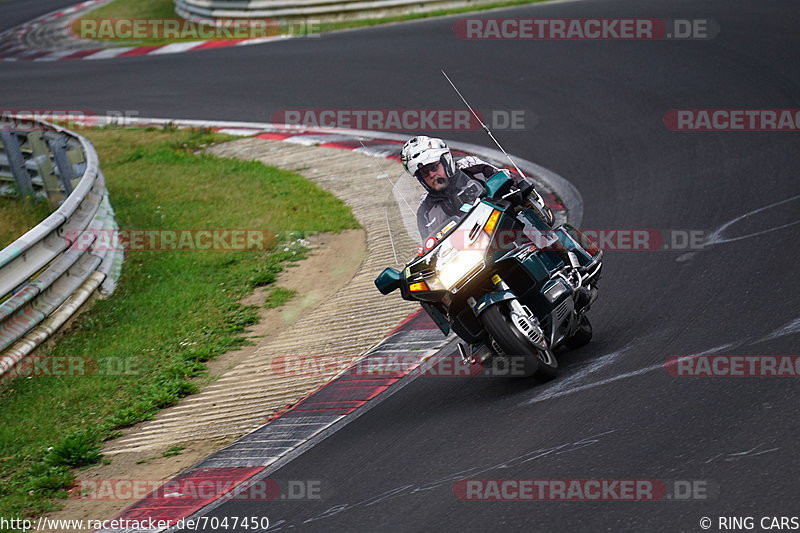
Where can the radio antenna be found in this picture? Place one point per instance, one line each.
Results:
(485, 127)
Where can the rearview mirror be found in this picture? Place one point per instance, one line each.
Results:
(499, 184)
(388, 280)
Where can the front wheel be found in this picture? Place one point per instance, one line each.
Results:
(582, 335)
(541, 364)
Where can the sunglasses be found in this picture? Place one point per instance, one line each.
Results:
(427, 169)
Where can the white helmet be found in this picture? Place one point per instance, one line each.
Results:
(421, 151)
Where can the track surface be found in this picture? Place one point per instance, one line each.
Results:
(594, 115)
(17, 12)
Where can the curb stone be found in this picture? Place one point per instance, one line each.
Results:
(50, 38)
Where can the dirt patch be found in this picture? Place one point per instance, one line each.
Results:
(333, 261)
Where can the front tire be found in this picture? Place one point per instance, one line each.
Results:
(541, 364)
(582, 335)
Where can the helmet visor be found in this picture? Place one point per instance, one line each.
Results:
(425, 170)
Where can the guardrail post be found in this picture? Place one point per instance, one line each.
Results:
(58, 146)
(11, 147)
(41, 156)
(43, 280)
(77, 159)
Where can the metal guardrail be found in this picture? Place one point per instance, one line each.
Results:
(319, 10)
(39, 163)
(44, 278)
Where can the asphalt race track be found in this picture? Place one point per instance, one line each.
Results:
(594, 114)
(20, 11)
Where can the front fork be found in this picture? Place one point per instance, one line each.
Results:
(521, 318)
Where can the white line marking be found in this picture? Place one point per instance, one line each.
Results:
(717, 238)
(559, 392)
(719, 348)
(788, 329)
(240, 132)
(596, 384)
(176, 48)
(565, 385)
(109, 53)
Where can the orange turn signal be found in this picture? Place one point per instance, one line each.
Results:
(418, 286)
(492, 222)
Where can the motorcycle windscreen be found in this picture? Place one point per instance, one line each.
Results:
(453, 208)
(400, 195)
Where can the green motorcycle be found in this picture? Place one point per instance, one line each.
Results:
(510, 286)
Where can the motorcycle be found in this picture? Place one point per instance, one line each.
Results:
(513, 288)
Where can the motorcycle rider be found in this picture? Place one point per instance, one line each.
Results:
(448, 184)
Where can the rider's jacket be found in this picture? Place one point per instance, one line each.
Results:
(437, 207)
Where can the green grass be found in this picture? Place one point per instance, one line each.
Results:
(18, 216)
(332, 26)
(278, 296)
(172, 311)
(160, 9)
(173, 451)
(164, 9)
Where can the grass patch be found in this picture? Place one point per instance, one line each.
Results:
(18, 216)
(278, 296)
(159, 9)
(164, 9)
(173, 451)
(76, 449)
(173, 310)
(332, 26)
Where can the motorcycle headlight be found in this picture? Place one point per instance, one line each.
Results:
(454, 265)
(459, 267)
(462, 253)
